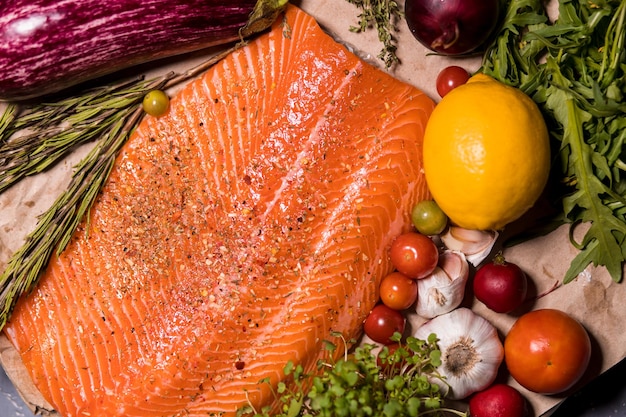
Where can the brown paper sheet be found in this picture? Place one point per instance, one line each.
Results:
(592, 298)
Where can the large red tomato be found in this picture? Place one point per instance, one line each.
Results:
(547, 351)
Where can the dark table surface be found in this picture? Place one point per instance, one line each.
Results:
(603, 397)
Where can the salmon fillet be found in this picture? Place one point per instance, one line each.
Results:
(233, 235)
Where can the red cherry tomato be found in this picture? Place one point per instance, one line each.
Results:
(414, 255)
(387, 362)
(398, 291)
(451, 77)
(382, 323)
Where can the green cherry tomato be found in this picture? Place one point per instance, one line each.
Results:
(428, 218)
(156, 103)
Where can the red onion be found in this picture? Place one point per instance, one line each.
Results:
(452, 27)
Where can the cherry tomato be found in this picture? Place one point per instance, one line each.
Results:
(547, 351)
(388, 361)
(428, 218)
(156, 103)
(398, 291)
(414, 254)
(382, 322)
(451, 77)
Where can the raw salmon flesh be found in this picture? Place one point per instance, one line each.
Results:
(233, 235)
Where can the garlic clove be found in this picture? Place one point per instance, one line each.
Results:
(444, 289)
(475, 244)
(471, 351)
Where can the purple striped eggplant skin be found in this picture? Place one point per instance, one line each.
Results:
(49, 45)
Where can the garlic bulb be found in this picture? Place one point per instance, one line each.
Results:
(443, 290)
(475, 244)
(471, 351)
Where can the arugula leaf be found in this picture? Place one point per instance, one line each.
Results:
(603, 242)
(575, 69)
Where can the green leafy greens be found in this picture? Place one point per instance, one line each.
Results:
(392, 383)
(575, 70)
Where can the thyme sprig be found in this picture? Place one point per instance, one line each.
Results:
(383, 15)
(106, 115)
(390, 383)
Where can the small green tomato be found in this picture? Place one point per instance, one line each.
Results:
(428, 218)
(156, 103)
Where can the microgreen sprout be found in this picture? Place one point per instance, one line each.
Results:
(368, 380)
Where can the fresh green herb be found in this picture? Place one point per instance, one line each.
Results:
(392, 383)
(575, 69)
(56, 128)
(106, 114)
(383, 15)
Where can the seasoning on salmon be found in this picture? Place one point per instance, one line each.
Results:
(234, 234)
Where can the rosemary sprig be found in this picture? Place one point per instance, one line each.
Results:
(54, 129)
(106, 114)
(6, 121)
(383, 15)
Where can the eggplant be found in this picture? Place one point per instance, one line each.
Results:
(50, 45)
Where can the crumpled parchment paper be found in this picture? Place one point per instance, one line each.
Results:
(593, 298)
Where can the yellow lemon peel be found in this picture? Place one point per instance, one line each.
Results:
(486, 154)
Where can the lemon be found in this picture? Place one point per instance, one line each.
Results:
(486, 154)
